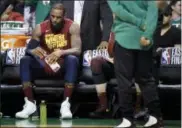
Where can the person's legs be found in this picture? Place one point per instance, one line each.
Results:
(148, 85)
(28, 66)
(124, 61)
(71, 67)
(100, 68)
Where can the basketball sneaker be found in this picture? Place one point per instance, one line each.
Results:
(151, 123)
(28, 109)
(65, 110)
(125, 124)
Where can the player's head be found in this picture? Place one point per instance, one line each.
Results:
(57, 16)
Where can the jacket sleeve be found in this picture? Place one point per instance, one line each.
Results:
(121, 13)
(151, 20)
(106, 18)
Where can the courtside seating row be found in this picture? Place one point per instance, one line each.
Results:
(51, 89)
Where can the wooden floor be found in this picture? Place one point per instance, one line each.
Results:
(75, 123)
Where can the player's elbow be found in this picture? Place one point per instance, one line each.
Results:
(78, 51)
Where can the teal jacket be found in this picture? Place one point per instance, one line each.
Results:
(130, 18)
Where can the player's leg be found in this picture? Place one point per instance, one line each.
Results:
(148, 86)
(124, 62)
(28, 67)
(71, 67)
(102, 71)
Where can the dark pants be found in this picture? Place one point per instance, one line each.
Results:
(136, 64)
(30, 69)
(102, 70)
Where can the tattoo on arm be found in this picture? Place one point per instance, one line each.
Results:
(75, 40)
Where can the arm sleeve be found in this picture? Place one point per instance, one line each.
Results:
(151, 20)
(106, 18)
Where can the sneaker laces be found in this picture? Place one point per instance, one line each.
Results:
(66, 106)
(25, 105)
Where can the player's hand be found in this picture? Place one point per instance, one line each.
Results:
(6, 13)
(4, 17)
(103, 45)
(159, 49)
(111, 60)
(54, 56)
(144, 42)
(38, 52)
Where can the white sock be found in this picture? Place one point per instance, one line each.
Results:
(101, 88)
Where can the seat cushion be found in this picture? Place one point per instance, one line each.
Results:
(11, 75)
(49, 83)
(5, 88)
(170, 74)
(45, 91)
(86, 75)
(170, 65)
(167, 87)
(85, 88)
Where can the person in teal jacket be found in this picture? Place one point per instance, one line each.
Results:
(134, 25)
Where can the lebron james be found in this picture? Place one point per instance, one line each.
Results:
(60, 39)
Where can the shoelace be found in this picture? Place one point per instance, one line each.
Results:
(25, 105)
(66, 106)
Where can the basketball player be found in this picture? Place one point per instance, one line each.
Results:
(61, 38)
(134, 25)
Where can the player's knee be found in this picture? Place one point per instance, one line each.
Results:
(25, 60)
(96, 64)
(71, 59)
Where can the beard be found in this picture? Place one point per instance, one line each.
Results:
(57, 27)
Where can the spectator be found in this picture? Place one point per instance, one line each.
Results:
(165, 36)
(134, 25)
(4, 4)
(14, 12)
(48, 36)
(161, 4)
(176, 13)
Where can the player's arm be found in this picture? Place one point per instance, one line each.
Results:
(75, 41)
(35, 40)
(34, 43)
(106, 18)
(151, 20)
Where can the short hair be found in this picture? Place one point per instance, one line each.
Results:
(173, 2)
(59, 6)
(167, 11)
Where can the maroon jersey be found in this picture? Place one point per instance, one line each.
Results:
(61, 40)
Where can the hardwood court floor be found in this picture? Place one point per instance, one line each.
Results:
(75, 123)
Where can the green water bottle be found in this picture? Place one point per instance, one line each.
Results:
(43, 113)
